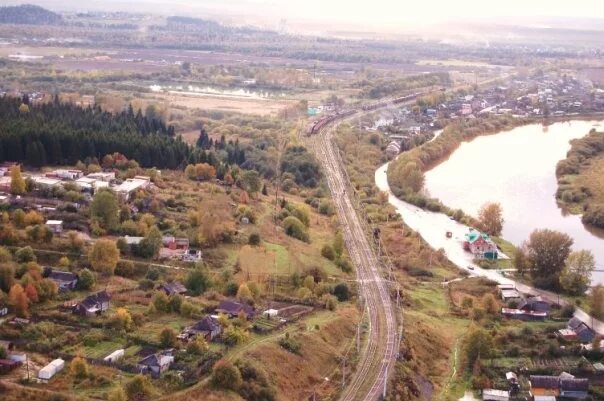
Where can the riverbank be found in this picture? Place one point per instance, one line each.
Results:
(581, 179)
(406, 173)
(432, 226)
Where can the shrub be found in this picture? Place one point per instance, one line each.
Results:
(290, 344)
(342, 292)
(328, 252)
(294, 228)
(254, 239)
(225, 376)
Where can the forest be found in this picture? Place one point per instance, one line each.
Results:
(62, 133)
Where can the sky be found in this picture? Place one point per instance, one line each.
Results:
(370, 13)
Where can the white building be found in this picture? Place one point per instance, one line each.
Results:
(131, 185)
(114, 356)
(102, 176)
(56, 226)
(48, 371)
(45, 182)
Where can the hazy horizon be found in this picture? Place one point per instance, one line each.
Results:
(378, 15)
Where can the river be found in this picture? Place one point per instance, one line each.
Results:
(517, 169)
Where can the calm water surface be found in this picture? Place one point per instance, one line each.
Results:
(517, 169)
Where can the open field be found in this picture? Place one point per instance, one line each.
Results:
(244, 105)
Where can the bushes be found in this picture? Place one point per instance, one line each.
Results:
(290, 344)
(295, 228)
(327, 252)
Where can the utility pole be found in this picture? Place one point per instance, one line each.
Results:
(344, 372)
(358, 337)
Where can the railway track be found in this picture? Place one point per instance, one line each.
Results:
(368, 383)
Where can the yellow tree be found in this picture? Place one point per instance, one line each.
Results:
(490, 216)
(104, 256)
(17, 183)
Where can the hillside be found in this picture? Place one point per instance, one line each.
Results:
(29, 14)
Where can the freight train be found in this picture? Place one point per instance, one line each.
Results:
(318, 125)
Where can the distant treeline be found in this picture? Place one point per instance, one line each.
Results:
(578, 160)
(390, 87)
(29, 14)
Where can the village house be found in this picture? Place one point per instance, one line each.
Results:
(576, 330)
(574, 388)
(56, 226)
(209, 327)
(64, 174)
(234, 308)
(192, 255)
(173, 288)
(509, 293)
(480, 245)
(535, 304)
(544, 386)
(94, 304)
(3, 309)
(565, 386)
(65, 281)
(156, 364)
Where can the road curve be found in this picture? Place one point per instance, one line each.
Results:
(376, 360)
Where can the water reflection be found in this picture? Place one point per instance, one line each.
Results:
(517, 169)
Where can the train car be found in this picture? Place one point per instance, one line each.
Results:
(318, 125)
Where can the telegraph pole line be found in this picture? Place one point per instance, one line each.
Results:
(344, 372)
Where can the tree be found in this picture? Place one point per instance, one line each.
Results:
(576, 276)
(411, 177)
(547, 251)
(596, 301)
(254, 239)
(150, 245)
(17, 183)
(327, 252)
(244, 294)
(18, 299)
(490, 305)
(7, 277)
(25, 254)
(198, 280)
(197, 346)
(79, 367)
(104, 256)
(105, 209)
(309, 282)
(139, 388)
(122, 320)
(160, 301)
(251, 181)
(520, 261)
(226, 376)
(168, 338)
(341, 292)
(31, 292)
(490, 217)
(338, 244)
(86, 280)
(478, 344)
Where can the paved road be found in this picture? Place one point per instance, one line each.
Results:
(377, 358)
(433, 226)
